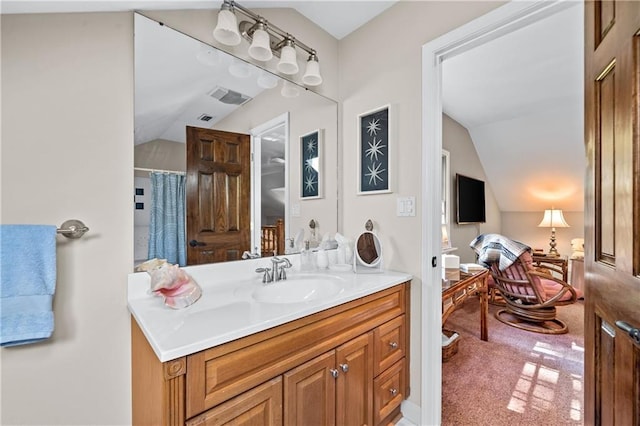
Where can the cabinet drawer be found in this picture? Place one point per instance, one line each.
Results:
(261, 405)
(389, 344)
(388, 391)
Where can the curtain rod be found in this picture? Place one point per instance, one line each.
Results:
(143, 169)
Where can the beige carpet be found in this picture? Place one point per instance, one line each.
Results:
(517, 377)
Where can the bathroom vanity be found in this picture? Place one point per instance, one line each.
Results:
(243, 354)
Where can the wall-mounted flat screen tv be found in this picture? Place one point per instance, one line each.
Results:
(470, 195)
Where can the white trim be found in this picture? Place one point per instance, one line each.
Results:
(256, 177)
(503, 20)
(410, 412)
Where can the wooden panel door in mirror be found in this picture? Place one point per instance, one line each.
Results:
(218, 195)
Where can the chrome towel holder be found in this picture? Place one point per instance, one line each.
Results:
(72, 229)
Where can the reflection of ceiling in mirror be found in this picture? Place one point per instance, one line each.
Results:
(179, 81)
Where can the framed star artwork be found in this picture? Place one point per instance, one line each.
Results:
(374, 176)
(311, 173)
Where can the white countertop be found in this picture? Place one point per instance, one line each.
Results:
(227, 310)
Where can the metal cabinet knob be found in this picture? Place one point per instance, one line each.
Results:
(393, 345)
(393, 391)
(335, 373)
(195, 243)
(344, 367)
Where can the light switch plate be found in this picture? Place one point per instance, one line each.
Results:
(295, 210)
(406, 206)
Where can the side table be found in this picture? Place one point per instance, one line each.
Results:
(557, 264)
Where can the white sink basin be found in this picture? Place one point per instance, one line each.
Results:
(301, 288)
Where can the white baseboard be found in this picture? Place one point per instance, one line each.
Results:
(410, 411)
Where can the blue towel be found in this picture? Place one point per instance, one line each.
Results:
(27, 281)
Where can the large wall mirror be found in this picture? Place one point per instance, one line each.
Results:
(187, 91)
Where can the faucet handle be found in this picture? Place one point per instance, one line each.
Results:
(267, 277)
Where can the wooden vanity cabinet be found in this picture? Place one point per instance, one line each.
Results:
(345, 365)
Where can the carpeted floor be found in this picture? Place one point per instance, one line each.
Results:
(517, 377)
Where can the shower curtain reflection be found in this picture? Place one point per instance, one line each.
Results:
(167, 237)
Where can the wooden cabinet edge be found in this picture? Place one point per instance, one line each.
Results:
(157, 389)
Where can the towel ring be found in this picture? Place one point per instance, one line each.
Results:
(72, 229)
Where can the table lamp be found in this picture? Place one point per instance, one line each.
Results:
(553, 219)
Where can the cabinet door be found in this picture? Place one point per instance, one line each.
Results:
(309, 393)
(354, 387)
(261, 406)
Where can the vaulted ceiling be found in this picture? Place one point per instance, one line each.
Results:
(520, 97)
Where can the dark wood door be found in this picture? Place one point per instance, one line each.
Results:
(218, 195)
(612, 212)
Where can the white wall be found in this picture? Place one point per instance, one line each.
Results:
(67, 153)
(380, 64)
(464, 160)
(523, 226)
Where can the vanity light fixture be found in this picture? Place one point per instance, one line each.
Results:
(267, 40)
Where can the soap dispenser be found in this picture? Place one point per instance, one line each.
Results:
(306, 258)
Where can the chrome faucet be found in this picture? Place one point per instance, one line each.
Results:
(251, 255)
(277, 271)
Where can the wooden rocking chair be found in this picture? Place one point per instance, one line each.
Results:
(531, 296)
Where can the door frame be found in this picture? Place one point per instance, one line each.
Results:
(503, 20)
(256, 176)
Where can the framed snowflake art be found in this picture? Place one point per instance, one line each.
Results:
(311, 173)
(373, 156)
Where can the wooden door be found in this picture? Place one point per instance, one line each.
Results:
(218, 195)
(612, 212)
(261, 406)
(354, 387)
(310, 393)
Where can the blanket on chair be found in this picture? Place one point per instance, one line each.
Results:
(496, 248)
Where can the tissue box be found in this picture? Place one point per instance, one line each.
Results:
(450, 261)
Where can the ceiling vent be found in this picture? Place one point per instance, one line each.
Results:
(205, 117)
(228, 96)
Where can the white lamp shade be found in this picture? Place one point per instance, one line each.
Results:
(288, 62)
(208, 56)
(312, 75)
(260, 48)
(240, 69)
(226, 31)
(267, 81)
(553, 219)
(289, 90)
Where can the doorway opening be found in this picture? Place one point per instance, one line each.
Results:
(501, 21)
(269, 178)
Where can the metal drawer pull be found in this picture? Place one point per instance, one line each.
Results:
(634, 333)
(334, 373)
(344, 367)
(393, 345)
(393, 391)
